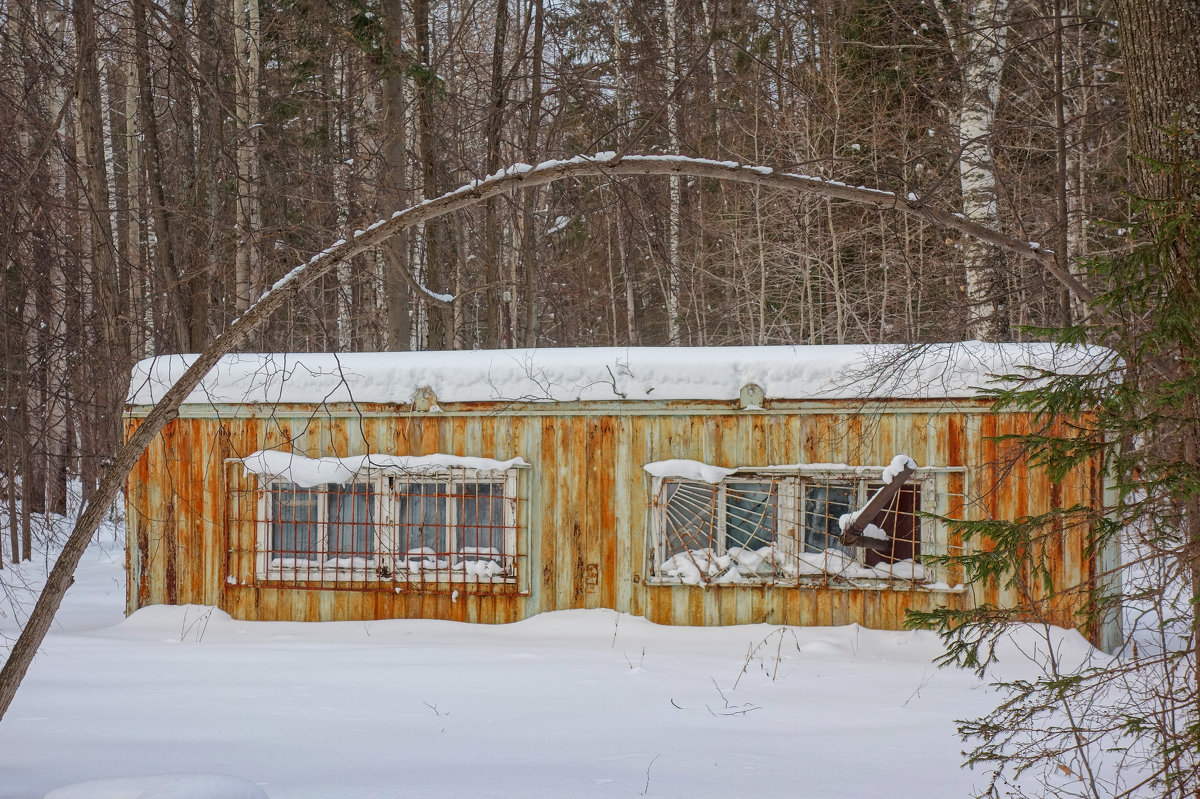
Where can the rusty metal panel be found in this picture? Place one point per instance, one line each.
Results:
(585, 499)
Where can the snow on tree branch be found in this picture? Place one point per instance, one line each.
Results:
(609, 164)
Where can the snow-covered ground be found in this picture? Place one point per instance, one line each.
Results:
(578, 703)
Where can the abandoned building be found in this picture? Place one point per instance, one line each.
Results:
(787, 485)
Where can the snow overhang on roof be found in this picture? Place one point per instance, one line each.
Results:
(616, 373)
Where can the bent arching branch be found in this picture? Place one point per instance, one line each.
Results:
(610, 165)
(515, 177)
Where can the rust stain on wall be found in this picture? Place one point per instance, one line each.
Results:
(583, 523)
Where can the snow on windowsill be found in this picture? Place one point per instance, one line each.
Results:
(688, 470)
(683, 469)
(290, 467)
(770, 565)
(412, 572)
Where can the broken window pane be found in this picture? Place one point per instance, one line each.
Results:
(690, 510)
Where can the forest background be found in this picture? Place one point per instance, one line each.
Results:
(161, 164)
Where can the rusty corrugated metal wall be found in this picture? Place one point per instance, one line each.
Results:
(583, 503)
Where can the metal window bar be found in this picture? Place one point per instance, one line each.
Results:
(384, 531)
(785, 530)
(456, 529)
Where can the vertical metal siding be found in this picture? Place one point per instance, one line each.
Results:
(583, 511)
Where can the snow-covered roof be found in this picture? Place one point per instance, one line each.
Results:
(613, 373)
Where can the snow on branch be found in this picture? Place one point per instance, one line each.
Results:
(609, 164)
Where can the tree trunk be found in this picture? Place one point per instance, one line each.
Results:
(108, 353)
(529, 219)
(1160, 42)
(438, 263)
(246, 37)
(175, 311)
(674, 185)
(395, 107)
(208, 259)
(494, 297)
(978, 35)
(300, 278)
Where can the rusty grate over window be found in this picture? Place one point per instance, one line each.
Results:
(787, 530)
(403, 531)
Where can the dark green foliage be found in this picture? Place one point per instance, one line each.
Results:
(1138, 411)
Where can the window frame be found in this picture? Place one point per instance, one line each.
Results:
(381, 567)
(461, 477)
(789, 536)
(265, 569)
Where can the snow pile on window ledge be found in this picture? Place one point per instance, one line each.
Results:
(744, 565)
(688, 470)
(683, 469)
(306, 472)
(616, 373)
(162, 786)
(480, 563)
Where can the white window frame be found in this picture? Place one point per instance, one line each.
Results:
(381, 565)
(452, 572)
(315, 570)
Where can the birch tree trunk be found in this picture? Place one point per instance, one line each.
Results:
(978, 31)
(247, 37)
(339, 122)
(628, 277)
(674, 185)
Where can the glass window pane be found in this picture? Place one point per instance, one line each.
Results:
(350, 519)
(480, 513)
(750, 514)
(690, 510)
(422, 517)
(294, 533)
(824, 504)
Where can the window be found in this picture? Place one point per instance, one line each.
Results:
(452, 528)
(780, 528)
(734, 514)
(446, 526)
(310, 529)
